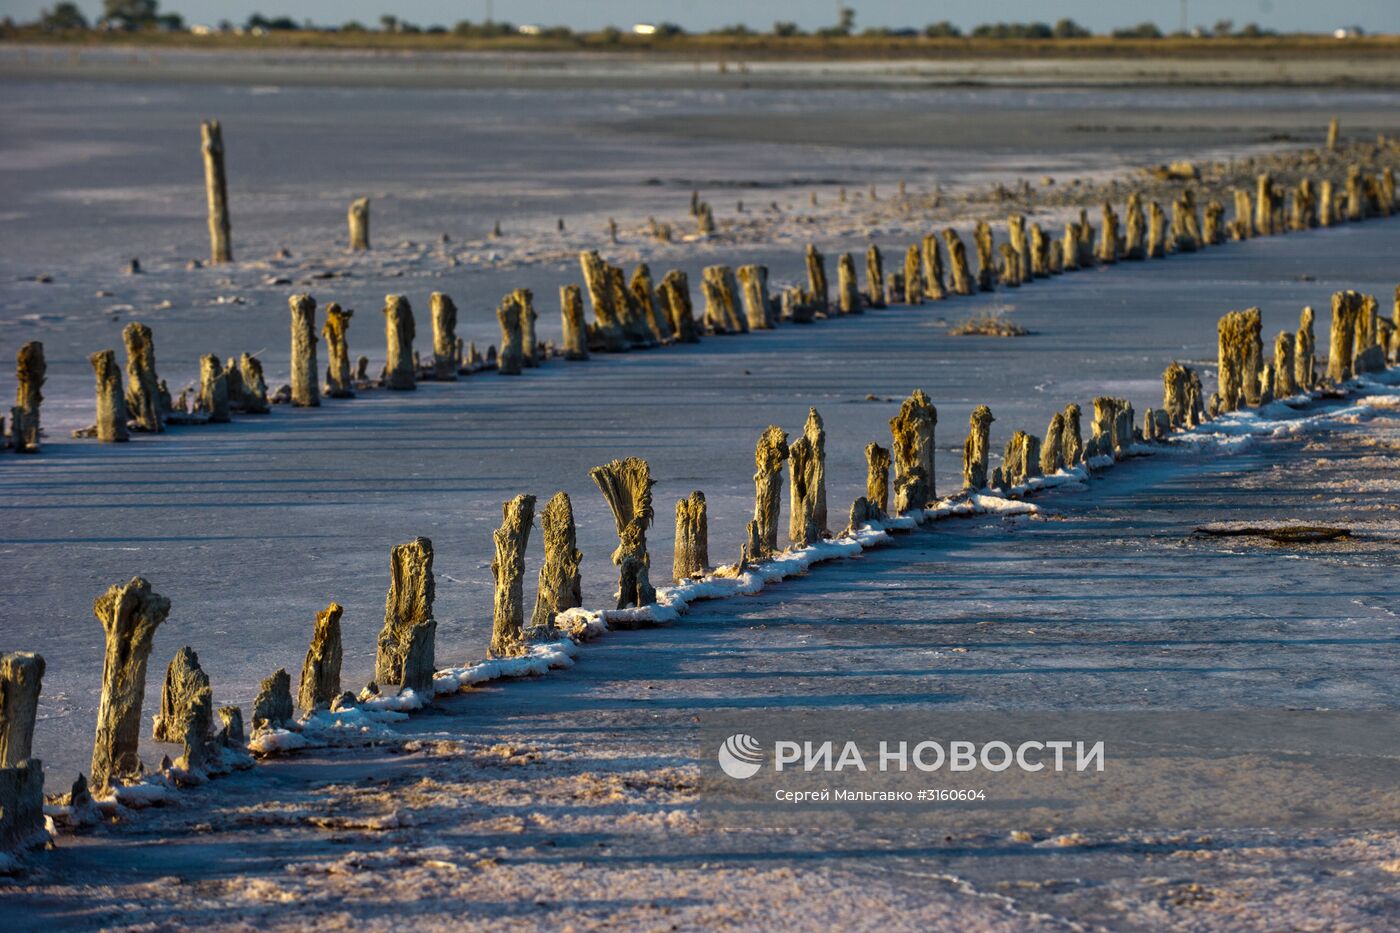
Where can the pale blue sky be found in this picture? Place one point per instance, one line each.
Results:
(1100, 15)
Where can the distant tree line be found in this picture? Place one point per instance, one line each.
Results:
(130, 15)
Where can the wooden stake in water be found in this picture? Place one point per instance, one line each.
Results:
(216, 188)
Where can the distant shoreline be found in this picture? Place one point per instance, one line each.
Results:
(454, 63)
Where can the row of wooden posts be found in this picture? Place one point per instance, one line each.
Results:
(130, 613)
(635, 313)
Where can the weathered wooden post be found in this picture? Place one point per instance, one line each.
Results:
(803, 469)
(1069, 247)
(675, 294)
(626, 485)
(143, 401)
(186, 710)
(1252, 353)
(272, 707)
(250, 373)
(444, 318)
(1072, 439)
(1052, 452)
(691, 557)
(758, 307)
(818, 295)
(1010, 272)
(211, 139)
(405, 654)
(847, 290)
(24, 417)
(1333, 134)
(1285, 382)
(1186, 235)
(1243, 223)
(1346, 315)
(913, 277)
(320, 672)
(722, 301)
(213, 390)
(1108, 243)
(815, 432)
(358, 217)
(1085, 246)
(1305, 352)
(1016, 234)
(977, 447)
(874, 277)
(1356, 197)
(339, 383)
(877, 478)
(510, 359)
(508, 572)
(575, 331)
(560, 583)
(1326, 204)
(1135, 237)
(596, 278)
(1214, 232)
(986, 256)
(111, 403)
(644, 297)
(913, 433)
(1263, 205)
(399, 332)
(130, 614)
(957, 262)
(22, 821)
(305, 391)
(769, 455)
(932, 272)
(529, 340)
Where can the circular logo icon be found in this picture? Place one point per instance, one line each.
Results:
(740, 756)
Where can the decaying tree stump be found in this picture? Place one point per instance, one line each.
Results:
(1285, 372)
(272, 707)
(111, 403)
(233, 378)
(977, 447)
(874, 277)
(722, 301)
(508, 571)
(1186, 227)
(1156, 231)
(358, 219)
(320, 672)
(847, 289)
(877, 478)
(1333, 134)
(446, 358)
(339, 383)
(932, 272)
(529, 341)
(1240, 360)
(818, 295)
(560, 582)
(406, 643)
(1016, 234)
(575, 331)
(1327, 204)
(1176, 383)
(815, 432)
(913, 277)
(250, 374)
(1085, 246)
(130, 613)
(675, 295)
(957, 262)
(769, 455)
(21, 679)
(691, 556)
(1242, 226)
(986, 256)
(1355, 194)
(211, 140)
(1072, 439)
(305, 391)
(213, 398)
(758, 307)
(626, 485)
(1304, 213)
(607, 317)
(913, 433)
(1021, 460)
(510, 359)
